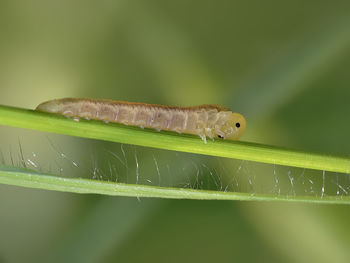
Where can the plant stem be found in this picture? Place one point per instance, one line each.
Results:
(35, 120)
(32, 179)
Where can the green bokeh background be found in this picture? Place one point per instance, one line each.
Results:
(282, 64)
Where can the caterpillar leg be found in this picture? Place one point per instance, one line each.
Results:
(220, 133)
(203, 136)
(209, 132)
(178, 130)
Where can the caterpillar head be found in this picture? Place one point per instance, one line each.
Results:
(233, 127)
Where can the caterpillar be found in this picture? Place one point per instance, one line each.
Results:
(212, 121)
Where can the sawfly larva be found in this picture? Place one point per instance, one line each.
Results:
(211, 121)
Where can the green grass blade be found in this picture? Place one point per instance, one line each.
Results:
(32, 179)
(171, 141)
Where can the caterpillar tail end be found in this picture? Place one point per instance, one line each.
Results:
(52, 106)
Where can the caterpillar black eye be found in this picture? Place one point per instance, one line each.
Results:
(220, 137)
(238, 124)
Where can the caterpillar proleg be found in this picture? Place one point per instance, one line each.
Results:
(210, 121)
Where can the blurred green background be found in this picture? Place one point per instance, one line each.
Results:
(282, 64)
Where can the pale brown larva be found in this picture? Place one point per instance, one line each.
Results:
(211, 121)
